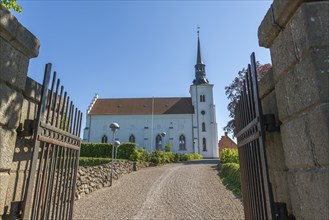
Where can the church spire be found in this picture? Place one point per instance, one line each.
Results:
(200, 72)
(199, 56)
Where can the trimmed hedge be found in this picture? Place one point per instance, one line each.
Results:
(230, 175)
(104, 150)
(160, 157)
(90, 161)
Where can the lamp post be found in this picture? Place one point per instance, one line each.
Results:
(163, 134)
(114, 127)
(116, 145)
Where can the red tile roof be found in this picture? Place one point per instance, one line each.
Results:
(142, 106)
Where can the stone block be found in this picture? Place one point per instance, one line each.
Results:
(13, 65)
(27, 42)
(274, 151)
(15, 33)
(266, 84)
(305, 139)
(283, 10)
(283, 53)
(4, 179)
(310, 28)
(309, 193)
(278, 179)
(275, 20)
(305, 30)
(305, 85)
(8, 24)
(7, 146)
(10, 106)
(32, 89)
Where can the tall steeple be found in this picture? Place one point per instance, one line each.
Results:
(200, 72)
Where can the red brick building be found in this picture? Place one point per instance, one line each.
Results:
(226, 142)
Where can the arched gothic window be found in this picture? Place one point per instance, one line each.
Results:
(104, 139)
(132, 138)
(203, 126)
(182, 142)
(204, 144)
(158, 142)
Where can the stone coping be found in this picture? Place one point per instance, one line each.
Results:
(276, 19)
(14, 32)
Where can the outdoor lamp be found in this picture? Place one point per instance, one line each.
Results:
(114, 127)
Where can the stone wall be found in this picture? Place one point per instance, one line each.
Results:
(93, 178)
(17, 47)
(296, 92)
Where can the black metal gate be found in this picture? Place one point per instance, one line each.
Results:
(250, 133)
(53, 168)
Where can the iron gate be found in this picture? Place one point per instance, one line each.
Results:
(53, 168)
(250, 133)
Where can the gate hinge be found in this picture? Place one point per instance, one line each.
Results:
(28, 128)
(270, 124)
(281, 212)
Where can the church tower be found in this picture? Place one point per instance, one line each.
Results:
(205, 135)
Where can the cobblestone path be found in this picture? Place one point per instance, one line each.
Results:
(189, 190)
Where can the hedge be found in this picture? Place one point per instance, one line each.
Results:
(160, 157)
(104, 150)
(230, 175)
(229, 156)
(90, 161)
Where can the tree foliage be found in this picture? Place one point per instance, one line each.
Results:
(11, 4)
(233, 91)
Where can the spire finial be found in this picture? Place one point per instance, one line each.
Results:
(198, 30)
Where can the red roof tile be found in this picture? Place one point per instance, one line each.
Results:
(142, 106)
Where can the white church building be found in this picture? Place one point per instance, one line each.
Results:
(187, 123)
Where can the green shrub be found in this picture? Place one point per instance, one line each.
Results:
(229, 156)
(89, 161)
(157, 157)
(144, 155)
(104, 150)
(169, 157)
(125, 150)
(135, 156)
(168, 148)
(230, 175)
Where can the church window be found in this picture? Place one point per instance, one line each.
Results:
(204, 144)
(203, 126)
(132, 138)
(202, 98)
(104, 139)
(158, 142)
(182, 142)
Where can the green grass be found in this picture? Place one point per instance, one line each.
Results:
(230, 175)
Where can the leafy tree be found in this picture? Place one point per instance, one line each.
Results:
(11, 4)
(233, 91)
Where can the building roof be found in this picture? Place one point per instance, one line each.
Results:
(142, 106)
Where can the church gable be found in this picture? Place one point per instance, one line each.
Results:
(142, 106)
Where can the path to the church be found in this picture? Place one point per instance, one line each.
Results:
(175, 191)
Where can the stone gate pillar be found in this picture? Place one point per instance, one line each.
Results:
(17, 46)
(296, 32)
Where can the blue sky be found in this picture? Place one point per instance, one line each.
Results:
(122, 49)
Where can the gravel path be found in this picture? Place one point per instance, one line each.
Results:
(189, 190)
